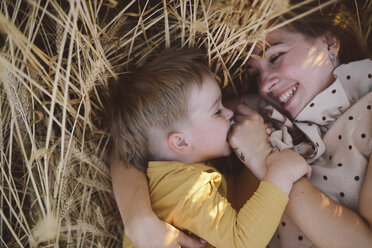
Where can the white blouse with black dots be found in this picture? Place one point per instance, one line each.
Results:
(341, 137)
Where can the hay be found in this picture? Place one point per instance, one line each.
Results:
(55, 56)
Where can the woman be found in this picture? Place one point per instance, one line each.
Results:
(309, 48)
(297, 75)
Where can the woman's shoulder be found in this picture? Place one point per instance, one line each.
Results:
(358, 65)
(356, 78)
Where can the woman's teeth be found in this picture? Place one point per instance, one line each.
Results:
(284, 98)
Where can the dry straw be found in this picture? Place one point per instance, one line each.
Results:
(55, 188)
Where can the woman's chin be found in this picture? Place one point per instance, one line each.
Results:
(292, 112)
(293, 106)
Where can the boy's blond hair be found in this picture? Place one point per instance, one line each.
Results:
(154, 95)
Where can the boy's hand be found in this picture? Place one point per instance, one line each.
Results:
(249, 140)
(284, 168)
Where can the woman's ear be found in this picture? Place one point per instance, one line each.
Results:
(178, 143)
(333, 45)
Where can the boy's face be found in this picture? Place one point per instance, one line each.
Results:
(208, 122)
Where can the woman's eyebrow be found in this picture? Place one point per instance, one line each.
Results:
(261, 51)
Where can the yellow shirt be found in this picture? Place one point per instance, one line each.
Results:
(193, 197)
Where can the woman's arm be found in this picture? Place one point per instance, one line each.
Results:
(365, 200)
(325, 222)
(141, 224)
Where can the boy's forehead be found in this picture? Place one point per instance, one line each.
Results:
(203, 96)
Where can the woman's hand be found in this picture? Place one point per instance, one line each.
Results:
(142, 226)
(248, 137)
(151, 232)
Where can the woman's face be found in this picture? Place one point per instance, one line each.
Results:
(293, 69)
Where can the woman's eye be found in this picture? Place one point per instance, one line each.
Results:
(274, 58)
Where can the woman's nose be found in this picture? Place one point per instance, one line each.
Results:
(268, 83)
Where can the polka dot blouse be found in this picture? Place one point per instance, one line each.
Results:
(338, 123)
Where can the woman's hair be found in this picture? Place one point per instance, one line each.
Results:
(153, 95)
(336, 19)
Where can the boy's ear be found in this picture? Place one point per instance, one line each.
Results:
(178, 143)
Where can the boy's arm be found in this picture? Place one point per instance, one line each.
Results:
(142, 226)
(327, 223)
(191, 200)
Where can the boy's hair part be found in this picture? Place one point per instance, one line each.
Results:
(153, 95)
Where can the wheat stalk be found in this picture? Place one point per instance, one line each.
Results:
(55, 58)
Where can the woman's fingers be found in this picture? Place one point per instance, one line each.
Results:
(245, 113)
(243, 109)
(275, 149)
(190, 242)
(269, 130)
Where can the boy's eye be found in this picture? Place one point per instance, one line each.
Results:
(275, 57)
(218, 112)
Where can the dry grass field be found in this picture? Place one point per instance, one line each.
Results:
(56, 57)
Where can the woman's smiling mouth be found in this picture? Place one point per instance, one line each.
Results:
(287, 95)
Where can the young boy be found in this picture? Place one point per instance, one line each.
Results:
(169, 112)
